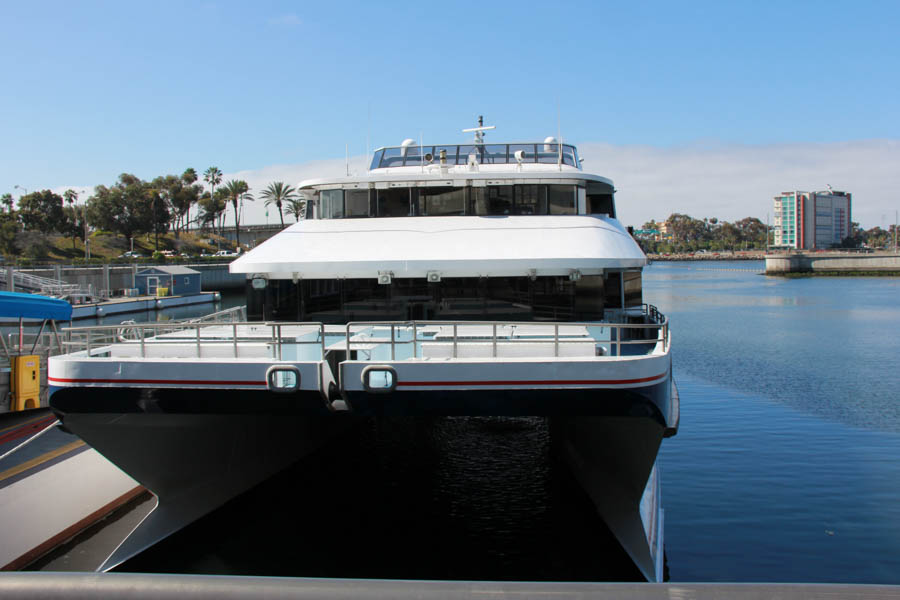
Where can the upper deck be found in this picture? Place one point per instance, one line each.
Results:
(520, 154)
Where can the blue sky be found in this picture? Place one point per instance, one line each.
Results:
(93, 89)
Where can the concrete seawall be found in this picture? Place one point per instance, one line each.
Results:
(782, 264)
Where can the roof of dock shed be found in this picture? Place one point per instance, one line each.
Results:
(170, 270)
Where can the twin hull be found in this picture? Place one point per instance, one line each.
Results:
(198, 433)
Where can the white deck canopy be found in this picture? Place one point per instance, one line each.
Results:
(467, 246)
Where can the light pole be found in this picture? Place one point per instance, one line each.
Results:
(19, 187)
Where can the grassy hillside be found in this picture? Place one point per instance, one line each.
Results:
(108, 247)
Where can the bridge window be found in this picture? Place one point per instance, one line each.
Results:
(356, 203)
(437, 201)
(332, 204)
(393, 202)
(561, 199)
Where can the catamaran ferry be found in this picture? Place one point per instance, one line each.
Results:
(463, 279)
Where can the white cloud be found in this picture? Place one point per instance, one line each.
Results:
(736, 181)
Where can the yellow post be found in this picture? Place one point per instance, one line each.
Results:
(25, 382)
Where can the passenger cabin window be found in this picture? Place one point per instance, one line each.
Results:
(524, 298)
(490, 200)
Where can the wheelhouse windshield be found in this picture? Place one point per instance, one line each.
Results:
(484, 154)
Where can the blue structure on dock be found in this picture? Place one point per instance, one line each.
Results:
(180, 281)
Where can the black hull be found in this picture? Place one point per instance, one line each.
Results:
(193, 460)
(651, 401)
(197, 449)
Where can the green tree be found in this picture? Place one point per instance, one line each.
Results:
(7, 201)
(238, 191)
(278, 194)
(179, 196)
(42, 211)
(9, 229)
(128, 207)
(296, 206)
(213, 176)
(73, 225)
(189, 177)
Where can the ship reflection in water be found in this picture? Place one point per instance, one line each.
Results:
(412, 498)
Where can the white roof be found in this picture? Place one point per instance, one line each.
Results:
(457, 176)
(468, 246)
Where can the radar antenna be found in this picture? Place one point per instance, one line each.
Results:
(479, 131)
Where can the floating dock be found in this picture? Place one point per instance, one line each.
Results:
(124, 305)
(52, 487)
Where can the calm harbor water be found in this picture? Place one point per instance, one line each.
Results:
(786, 467)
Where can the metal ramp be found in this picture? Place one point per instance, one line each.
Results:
(36, 284)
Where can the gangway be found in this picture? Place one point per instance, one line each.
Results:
(36, 284)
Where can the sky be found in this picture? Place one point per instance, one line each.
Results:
(703, 108)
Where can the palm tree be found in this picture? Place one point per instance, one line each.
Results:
(213, 177)
(279, 194)
(238, 190)
(189, 177)
(296, 206)
(71, 196)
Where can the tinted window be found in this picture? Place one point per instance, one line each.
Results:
(531, 200)
(561, 199)
(356, 203)
(332, 204)
(437, 201)
(393, 202)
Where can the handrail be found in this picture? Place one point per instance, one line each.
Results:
(94, 339)
(658, 322)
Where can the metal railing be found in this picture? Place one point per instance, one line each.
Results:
(235, 314)
(658, 326)
(44, 285)
(97, 340)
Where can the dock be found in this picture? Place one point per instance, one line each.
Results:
(126, 304)
(53, 487)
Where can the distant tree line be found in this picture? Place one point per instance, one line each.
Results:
(132, 206)
(688, 234)
(876, 237)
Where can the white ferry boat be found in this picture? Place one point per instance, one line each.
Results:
(463, 279)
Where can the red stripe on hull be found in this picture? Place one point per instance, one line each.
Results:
(534, 382)
(156, 381)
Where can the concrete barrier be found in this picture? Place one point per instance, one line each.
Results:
(781, 264)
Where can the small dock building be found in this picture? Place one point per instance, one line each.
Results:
(178, 280)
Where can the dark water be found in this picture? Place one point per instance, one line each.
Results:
(786, 467)
(787, 464)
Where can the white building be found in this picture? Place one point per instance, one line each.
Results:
(808, 220)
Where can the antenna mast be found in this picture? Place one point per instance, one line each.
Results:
(479, 131)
